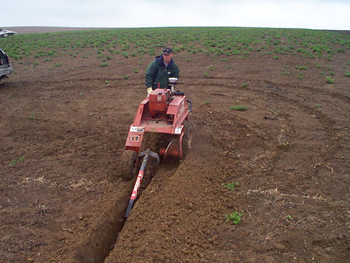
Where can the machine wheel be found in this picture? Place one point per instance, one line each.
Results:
(128, 165)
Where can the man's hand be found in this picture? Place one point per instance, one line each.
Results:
(149, 90)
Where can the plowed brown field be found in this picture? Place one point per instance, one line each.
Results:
(63, 128)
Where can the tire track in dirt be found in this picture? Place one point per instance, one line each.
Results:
(278, 164)
(222, 81)
(326, 149)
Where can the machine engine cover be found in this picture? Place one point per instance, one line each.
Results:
(158, 103)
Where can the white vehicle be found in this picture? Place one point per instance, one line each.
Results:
(5, 66)
(5, 33)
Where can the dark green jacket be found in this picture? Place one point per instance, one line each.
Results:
(159, 73)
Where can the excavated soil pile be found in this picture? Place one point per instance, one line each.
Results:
(282, 164)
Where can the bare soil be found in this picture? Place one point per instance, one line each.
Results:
(63, 129)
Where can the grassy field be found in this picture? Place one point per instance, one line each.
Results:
(138, 42)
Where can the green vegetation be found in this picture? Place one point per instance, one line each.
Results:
(212, 68)
(302, 67)
(273, 111)
(32, 116)
(231, 186)
(107, 44)
(329, 80)
(239, 108)
(224, 44)
(235, 218)
(16, 161)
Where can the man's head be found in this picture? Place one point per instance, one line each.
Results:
(167, 54)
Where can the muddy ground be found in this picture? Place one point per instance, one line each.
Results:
(63, 129)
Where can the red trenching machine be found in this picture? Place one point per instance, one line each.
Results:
(165, 114)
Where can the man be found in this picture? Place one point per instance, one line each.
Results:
(162, 68)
